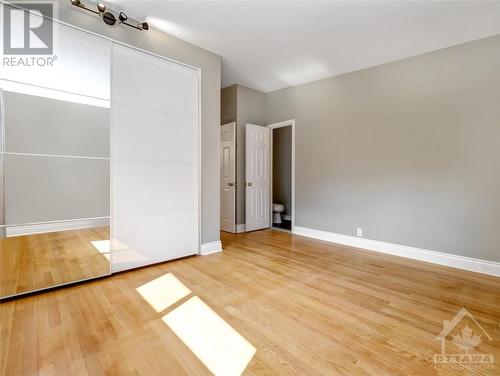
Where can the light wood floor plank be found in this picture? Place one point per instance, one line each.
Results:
(308, 307)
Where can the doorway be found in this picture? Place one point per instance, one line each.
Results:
(282, 190)
(269, 177)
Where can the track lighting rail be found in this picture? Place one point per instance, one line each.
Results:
(108, 17)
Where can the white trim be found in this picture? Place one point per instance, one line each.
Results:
(282, 124)
(53, 155)
(40, 228)
(280, 229)
(212, 247)
(111, 155)
(440, 258)
(240, 228)
(199, 234)
(2, 160)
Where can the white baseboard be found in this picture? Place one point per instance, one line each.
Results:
(209, 248)
(441, 258)
(240, 228)
(40, 228)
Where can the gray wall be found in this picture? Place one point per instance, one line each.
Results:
(409, 151)
(282, 167)
(228, 104)
(243, 106)
(210, 64)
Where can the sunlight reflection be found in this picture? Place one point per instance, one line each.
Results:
(117, 245)
(221, 348)
(21, 88)
(102, 246)
(164, 291)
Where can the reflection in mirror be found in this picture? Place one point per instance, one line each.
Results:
(37, 261)
(44, 189)
(55, 188)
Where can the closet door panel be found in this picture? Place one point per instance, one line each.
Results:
(150, 238)
(55, 163)
(154, 159)
(140, 135)
(153, 83)
(148, 188)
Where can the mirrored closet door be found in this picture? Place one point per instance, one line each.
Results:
(99, 164)
(55, 167)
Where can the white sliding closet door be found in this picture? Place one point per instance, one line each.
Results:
(155, 157)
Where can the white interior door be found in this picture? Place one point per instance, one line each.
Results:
(258, 177)
(228, 177)
(155, 151)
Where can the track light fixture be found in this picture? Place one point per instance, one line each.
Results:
(108, 17)
(140, 26)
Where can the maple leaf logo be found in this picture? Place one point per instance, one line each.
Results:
(466, 341)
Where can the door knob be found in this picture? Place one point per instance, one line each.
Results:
(230, 184)
(249, 184)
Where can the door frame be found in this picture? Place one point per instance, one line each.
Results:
(235, 174)
(281, 124)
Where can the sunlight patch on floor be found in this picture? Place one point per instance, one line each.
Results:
(221, 348)
(163, 292)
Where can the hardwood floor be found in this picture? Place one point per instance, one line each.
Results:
(308, 307)
(32, 262)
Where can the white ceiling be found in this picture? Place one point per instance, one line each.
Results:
(268, 45)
